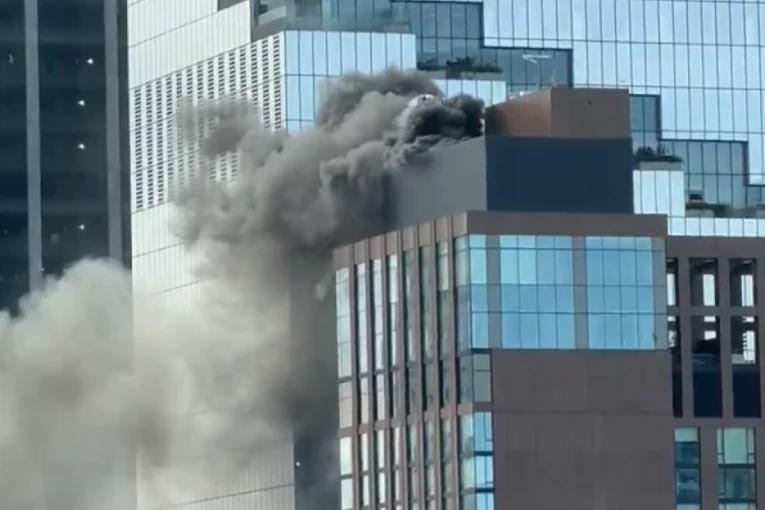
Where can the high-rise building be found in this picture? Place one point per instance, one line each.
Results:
(694, 72)
(64, 171)
(208, 50)
(553, 320)
(64, 190)
(692, 67)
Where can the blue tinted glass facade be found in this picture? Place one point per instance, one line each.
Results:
(312, 57)
(702, 59)
(663, 191)
(560, 292)
(476, 452)
(694, 67)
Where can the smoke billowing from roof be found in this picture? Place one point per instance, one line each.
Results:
(235, 369)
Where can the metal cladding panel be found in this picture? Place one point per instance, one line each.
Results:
(563, 113)
(559, 175)
(582, 430)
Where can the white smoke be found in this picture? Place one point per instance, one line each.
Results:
(89, 376)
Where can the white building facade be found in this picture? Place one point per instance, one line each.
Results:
(202, 53)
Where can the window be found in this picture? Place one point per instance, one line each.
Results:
(476, 452)
(414, 486)
(378, 317)
(672, 282)
(426, 300)
(742, 284)
(735, 446)
(364, 452)
(381, 495)
(707, 374)
(380, 448)
(411, 445)
(446, 438)
(393, 302)
(343, 311)
(444, 325)
(429, 388)
(704, 282)
(536, 294)
(445, 369)
(364, 400)
(430, 482)
(478, 262)
(475, 378)
(737, 484)
(621, 285)
(365, 490)
(396, 447)
(430, 441)
(442, 304)
(477, 472)
(361, 319)
(744, 340)
(479, 501)
(397, 393)
(687, 469)
(346, 456)
(476, 433)
(381, 404)
(674, 343)
(461, 272)
(746, 366)
(409, 274)
(345, 398)
(346, 493)
(396, 476)
(442, 266)
(736, 466)
(413, 390)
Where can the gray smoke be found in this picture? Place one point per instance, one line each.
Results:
(322, 187)
(252, 362)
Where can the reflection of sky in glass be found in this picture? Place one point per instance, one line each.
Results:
(696, 86)
(313, 57)
(664, 192)
(547, 291)
(476, 451)
(744, 340)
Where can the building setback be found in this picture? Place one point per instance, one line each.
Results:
(64, 180)
(524, 339)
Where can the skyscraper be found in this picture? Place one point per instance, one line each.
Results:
(209, 50)
(693, 69)
(63, 141)
(64, 179)
(499, 348)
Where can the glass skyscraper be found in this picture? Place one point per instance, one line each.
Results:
(63, 138)
(695, 72)
(694, 68)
